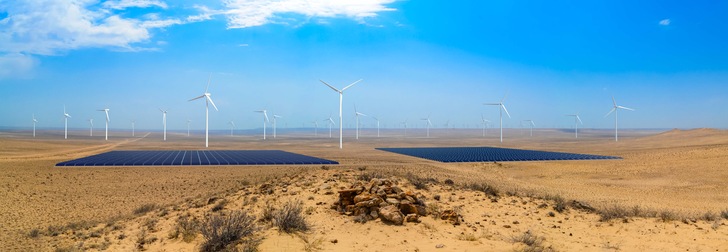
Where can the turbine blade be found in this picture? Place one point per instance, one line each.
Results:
(504, 97)
(197, 98)
(579, 119)
(625, 108)
(327, 84)
(504, 109)
(491, 104)
(266, 116)
(208, 82)
(610, 112)
(211, 102)
(352, 84)
(614, 101)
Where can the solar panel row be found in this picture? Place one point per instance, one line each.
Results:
(204, 157)
(489, 154)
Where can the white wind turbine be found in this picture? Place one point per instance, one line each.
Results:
(208, 101)
(107, 122)
(429, 123)
(405, 127)
(232, 126)
(357, 114)
(377, 119)
(341, 119)
(330, 122)
(188, 127)
(65, 117)
(132, 127)
(315, 129)
(577, 121)
(615, 109)
(530, 122)
(91, 128)
(501, 108)
(265, 120)
(164, 122)
(275, 119)
(34, 122)
(485, 125)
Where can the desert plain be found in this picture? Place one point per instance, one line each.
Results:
(668, 193)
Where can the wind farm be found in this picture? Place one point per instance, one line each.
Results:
(615, 135)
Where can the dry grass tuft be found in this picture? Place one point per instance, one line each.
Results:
(290, 218)
(484, 187)
(724, 214)
(614, 212)
(533, 243)
(145, 209)
(223, 232)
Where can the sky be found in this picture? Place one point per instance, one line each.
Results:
(668, 60)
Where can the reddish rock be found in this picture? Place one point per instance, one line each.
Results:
(391, 214)
(412, 218)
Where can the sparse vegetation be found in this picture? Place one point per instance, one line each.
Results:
(289, 218)
(613, 212)
(34, 233)
(225, 231)
(368, 176)
(419, 182)
(724, 214)
(533, 243)
(186, 227)
(709, 216)
(220, 205)
(483, 187)
(559, 203)
(467, 237)
(667, 216)
(449, 182)
(145, 208)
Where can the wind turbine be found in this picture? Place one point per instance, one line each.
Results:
(485, 125)
(232, 126)
(188, 127)
(34, 122)
(375, 118)
(357, 114)
(331, 122)
(107, 122)
(530, 122)
(577, 121)
(91, 128)
(132, 127)
(405, 127)
(614, 109)
(265, 120)
(501, 108)
(315, 129)
(164, 122)
(275, 118)
(208, 101)
(341, 119)
(65, 117)
(429, 123)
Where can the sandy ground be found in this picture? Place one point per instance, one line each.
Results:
(677, 172)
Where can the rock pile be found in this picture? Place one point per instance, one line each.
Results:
(380, 198)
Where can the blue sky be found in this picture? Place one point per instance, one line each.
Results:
(666, 59)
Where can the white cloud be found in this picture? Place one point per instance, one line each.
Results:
(123, 4)
(48, 27)
(15, 64)
(665, 22)
(249, 13)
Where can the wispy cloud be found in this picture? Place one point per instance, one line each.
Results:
(665, 22)
(249, 13)
(15, 65)
(123, 4)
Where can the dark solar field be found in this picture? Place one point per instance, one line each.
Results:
(204, 157)
(489, 154)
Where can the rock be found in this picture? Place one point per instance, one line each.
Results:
(437, 197)
(412, 218)
(362, 197)
(325, 186)
(335, 241)
(440, 246)
(421, 210)
(374, 214)
(391, 214)
(392, 201)
(407, 208)
(451, 216)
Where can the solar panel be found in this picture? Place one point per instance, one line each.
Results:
(489, 154)
(192, 157)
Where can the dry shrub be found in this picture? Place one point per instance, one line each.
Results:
(225, 231)
(484, 187)
(532, 242)
(145, 209)
(613, 212)
(709, 216)
(220, 205)
(667, 216)
(724, 214)
(290, 218)
(419, 182)
(34, 233)
(186, 227)
(368, 176)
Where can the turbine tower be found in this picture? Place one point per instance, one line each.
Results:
(232, 126)
(530, 122)
(485, 125)
(615, 109)
(341, 119)
(405, 127)
(34, 122)
(429, 123)
(132, 127)
(275, 119)
(501, 108)
(188, 127)
(315, 129)
(377, 119)
(330, 122)
(577, 121)
(357, 114)
(65, 117)
(265, 120)
(164, 122)
(107, 122)
(208, 101)
(91, 128)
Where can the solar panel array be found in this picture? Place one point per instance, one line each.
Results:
(192, 157)
(489, 154)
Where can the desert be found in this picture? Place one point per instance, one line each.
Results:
(667, 193)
